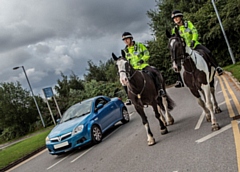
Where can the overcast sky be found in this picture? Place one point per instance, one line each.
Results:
(52, 36)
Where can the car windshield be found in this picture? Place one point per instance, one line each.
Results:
(77, 110)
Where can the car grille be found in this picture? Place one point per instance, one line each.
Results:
(60, 138)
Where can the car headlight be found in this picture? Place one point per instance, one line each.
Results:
(78, 129)
(47, 140)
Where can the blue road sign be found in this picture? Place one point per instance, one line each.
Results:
(48, 92)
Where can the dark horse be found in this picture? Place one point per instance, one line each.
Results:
(142, 91)
(198, 74)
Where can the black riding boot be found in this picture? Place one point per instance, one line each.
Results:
(210, 58)
(215, 64)
(159, 87)
(179, 82)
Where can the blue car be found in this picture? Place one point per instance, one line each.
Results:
(85, 122)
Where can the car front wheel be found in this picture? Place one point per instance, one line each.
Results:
(96, 134)
(125, 115)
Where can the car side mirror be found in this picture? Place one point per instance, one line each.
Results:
(99, 106)
(58, 121)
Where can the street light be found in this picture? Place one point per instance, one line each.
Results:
(219, 19)
(15, 68)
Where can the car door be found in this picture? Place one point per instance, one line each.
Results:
(106, 113)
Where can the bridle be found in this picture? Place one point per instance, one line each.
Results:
(174, 55)
(130, 72)
(127, 71)
(183, 55)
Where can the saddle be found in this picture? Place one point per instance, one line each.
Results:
(205, 56)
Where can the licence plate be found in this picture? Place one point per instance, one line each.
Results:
(60, 145)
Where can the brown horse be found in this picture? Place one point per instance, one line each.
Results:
(142, 91)
(198, 75)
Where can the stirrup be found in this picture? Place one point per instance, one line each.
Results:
(179, 84)
(219, 71)
(128, 102)
(161, 92)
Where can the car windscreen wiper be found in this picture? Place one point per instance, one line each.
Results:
(76, 117)
(70, 119)
(83, 114)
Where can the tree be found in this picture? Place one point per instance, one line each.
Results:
(18, 113)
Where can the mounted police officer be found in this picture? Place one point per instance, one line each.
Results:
(190, 35)
(138, 55)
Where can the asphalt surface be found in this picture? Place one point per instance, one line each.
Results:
(131, 109)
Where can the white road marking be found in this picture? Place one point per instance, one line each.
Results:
(94, 146)
(200, 120)
(214, 133)
(26, 160)
(58, 162)
(82, 154)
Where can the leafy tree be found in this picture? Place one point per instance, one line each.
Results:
(64, 89)
(18, 113)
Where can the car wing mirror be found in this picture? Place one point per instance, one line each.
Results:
(99, 106)
(58, 121)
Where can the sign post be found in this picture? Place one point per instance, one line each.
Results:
(48, 92)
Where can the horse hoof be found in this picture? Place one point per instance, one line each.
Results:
(171, 122)
(218, 110)
(215, 127)
(152, 142)
(164, 131)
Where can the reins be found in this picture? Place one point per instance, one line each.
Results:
(144, 85)
(129, 85)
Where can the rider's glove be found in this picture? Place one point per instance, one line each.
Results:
(140, 62)
(192, 43)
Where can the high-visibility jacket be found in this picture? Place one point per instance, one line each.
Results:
(188, 32)
(136, 53)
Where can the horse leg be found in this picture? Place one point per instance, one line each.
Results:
(162, 118)
(170, 120)
(201, 102)
(216, 107)
(209, 105)
(203, 94)
(205, 109)
(163, 127)
(150, 138)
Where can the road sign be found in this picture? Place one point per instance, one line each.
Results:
(48, 92)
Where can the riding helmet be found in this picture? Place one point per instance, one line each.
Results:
(126, 35)
(176, 13)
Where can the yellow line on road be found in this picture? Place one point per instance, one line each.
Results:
(234, 123)
(237, 140)
(235, 100)
(229, 107)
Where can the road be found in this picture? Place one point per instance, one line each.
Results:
(190, 145)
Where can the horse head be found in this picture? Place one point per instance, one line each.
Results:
(176, 46)
(125, 70)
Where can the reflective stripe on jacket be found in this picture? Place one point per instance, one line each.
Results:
(136, 53)
(188, 33)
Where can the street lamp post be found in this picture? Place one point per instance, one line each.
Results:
(224, 34)
(31, 92)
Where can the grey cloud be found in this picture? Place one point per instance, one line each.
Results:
(56, 36)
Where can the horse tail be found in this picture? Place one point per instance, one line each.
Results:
(171, 103)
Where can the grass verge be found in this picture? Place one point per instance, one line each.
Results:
(234, 69)
(23, 148)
